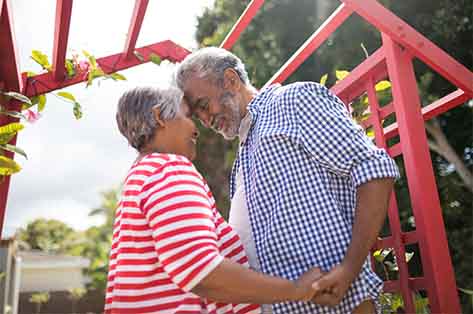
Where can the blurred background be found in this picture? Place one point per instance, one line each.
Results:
(61, 205)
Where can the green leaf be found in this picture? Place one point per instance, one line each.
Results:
(13, 149)
(14, 114)
(377, 256)
(466, 291)
(155, 58)
(117, 77)
(7, 132)
(380, 255)
(382, 85)
(67, 95)
(88, 55)
(41, 102)
(77, 110)
(139, 56)
(18, 96)
(323, 79)
(341, 74)
(391, 266)
(409, 256)
(97, 72)
(30, 74)
(8, 166)
(41, 59)
(90, 78)
(70, 68)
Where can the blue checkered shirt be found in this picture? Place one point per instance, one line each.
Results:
(302, 161)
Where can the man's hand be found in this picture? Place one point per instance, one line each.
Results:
(332, 287)
(304, 285)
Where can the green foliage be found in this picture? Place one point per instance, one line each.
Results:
(41, 59)
(155, 59)
(38, 299)
(48, 235)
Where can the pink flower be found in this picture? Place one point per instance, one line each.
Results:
(84, 65)
(31, 116)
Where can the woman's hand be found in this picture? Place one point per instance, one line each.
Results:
(304, 286)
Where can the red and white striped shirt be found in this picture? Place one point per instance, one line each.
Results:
(168, 235)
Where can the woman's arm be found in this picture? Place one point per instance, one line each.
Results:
(231, 282)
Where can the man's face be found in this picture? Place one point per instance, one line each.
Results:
(214, 106)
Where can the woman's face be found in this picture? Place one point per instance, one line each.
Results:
(180, 134)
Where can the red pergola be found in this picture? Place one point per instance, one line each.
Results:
(401, 44)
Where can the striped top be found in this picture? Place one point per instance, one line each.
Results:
(167, 236)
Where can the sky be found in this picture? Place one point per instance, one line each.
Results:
(70, 162)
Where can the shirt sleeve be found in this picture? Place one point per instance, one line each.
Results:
(327, 132)
(178, 210)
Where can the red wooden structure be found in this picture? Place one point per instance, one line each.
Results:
(400, 45)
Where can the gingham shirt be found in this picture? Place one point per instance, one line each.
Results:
(302, 161)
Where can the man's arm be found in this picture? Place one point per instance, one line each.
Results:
(371, 207)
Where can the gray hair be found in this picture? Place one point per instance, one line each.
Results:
(210, 62)
(135, 117)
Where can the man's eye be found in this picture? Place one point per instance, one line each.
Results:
(203, 105)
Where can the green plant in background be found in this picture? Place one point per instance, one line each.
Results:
(38, 299)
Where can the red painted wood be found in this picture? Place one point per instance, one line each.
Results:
(316, 40)
(135, 26)
(44, 83)
(241, 24)
(387, 22)
(393, 210)
(61, 36)
(436, 262)
(11, 81)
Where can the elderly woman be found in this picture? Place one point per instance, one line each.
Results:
(172, 252)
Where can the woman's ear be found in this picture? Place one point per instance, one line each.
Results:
(157, 116)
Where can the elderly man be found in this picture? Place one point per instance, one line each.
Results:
(308, 188)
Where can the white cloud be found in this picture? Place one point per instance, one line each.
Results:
(70, 162)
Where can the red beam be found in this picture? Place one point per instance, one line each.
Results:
(241, 24)
(316, 40)
(436, 261)
(420, 46)
(61, 35)
(436, 108)
(353, 85)
(44, 83)
(135, 26)
(11, 80)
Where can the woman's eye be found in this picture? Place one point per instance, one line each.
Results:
(204, 105)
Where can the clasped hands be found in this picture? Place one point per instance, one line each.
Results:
(325, 288)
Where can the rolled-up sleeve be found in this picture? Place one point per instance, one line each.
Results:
(177, 209)
(327, 132)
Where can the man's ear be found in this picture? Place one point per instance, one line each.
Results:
(157, 116)
(231, 80)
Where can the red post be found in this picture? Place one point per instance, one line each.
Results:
(393, 210)
(436, 262)
(310, 45)
(61, 35)
(241, 24)
(11, 80)
(135, 26)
